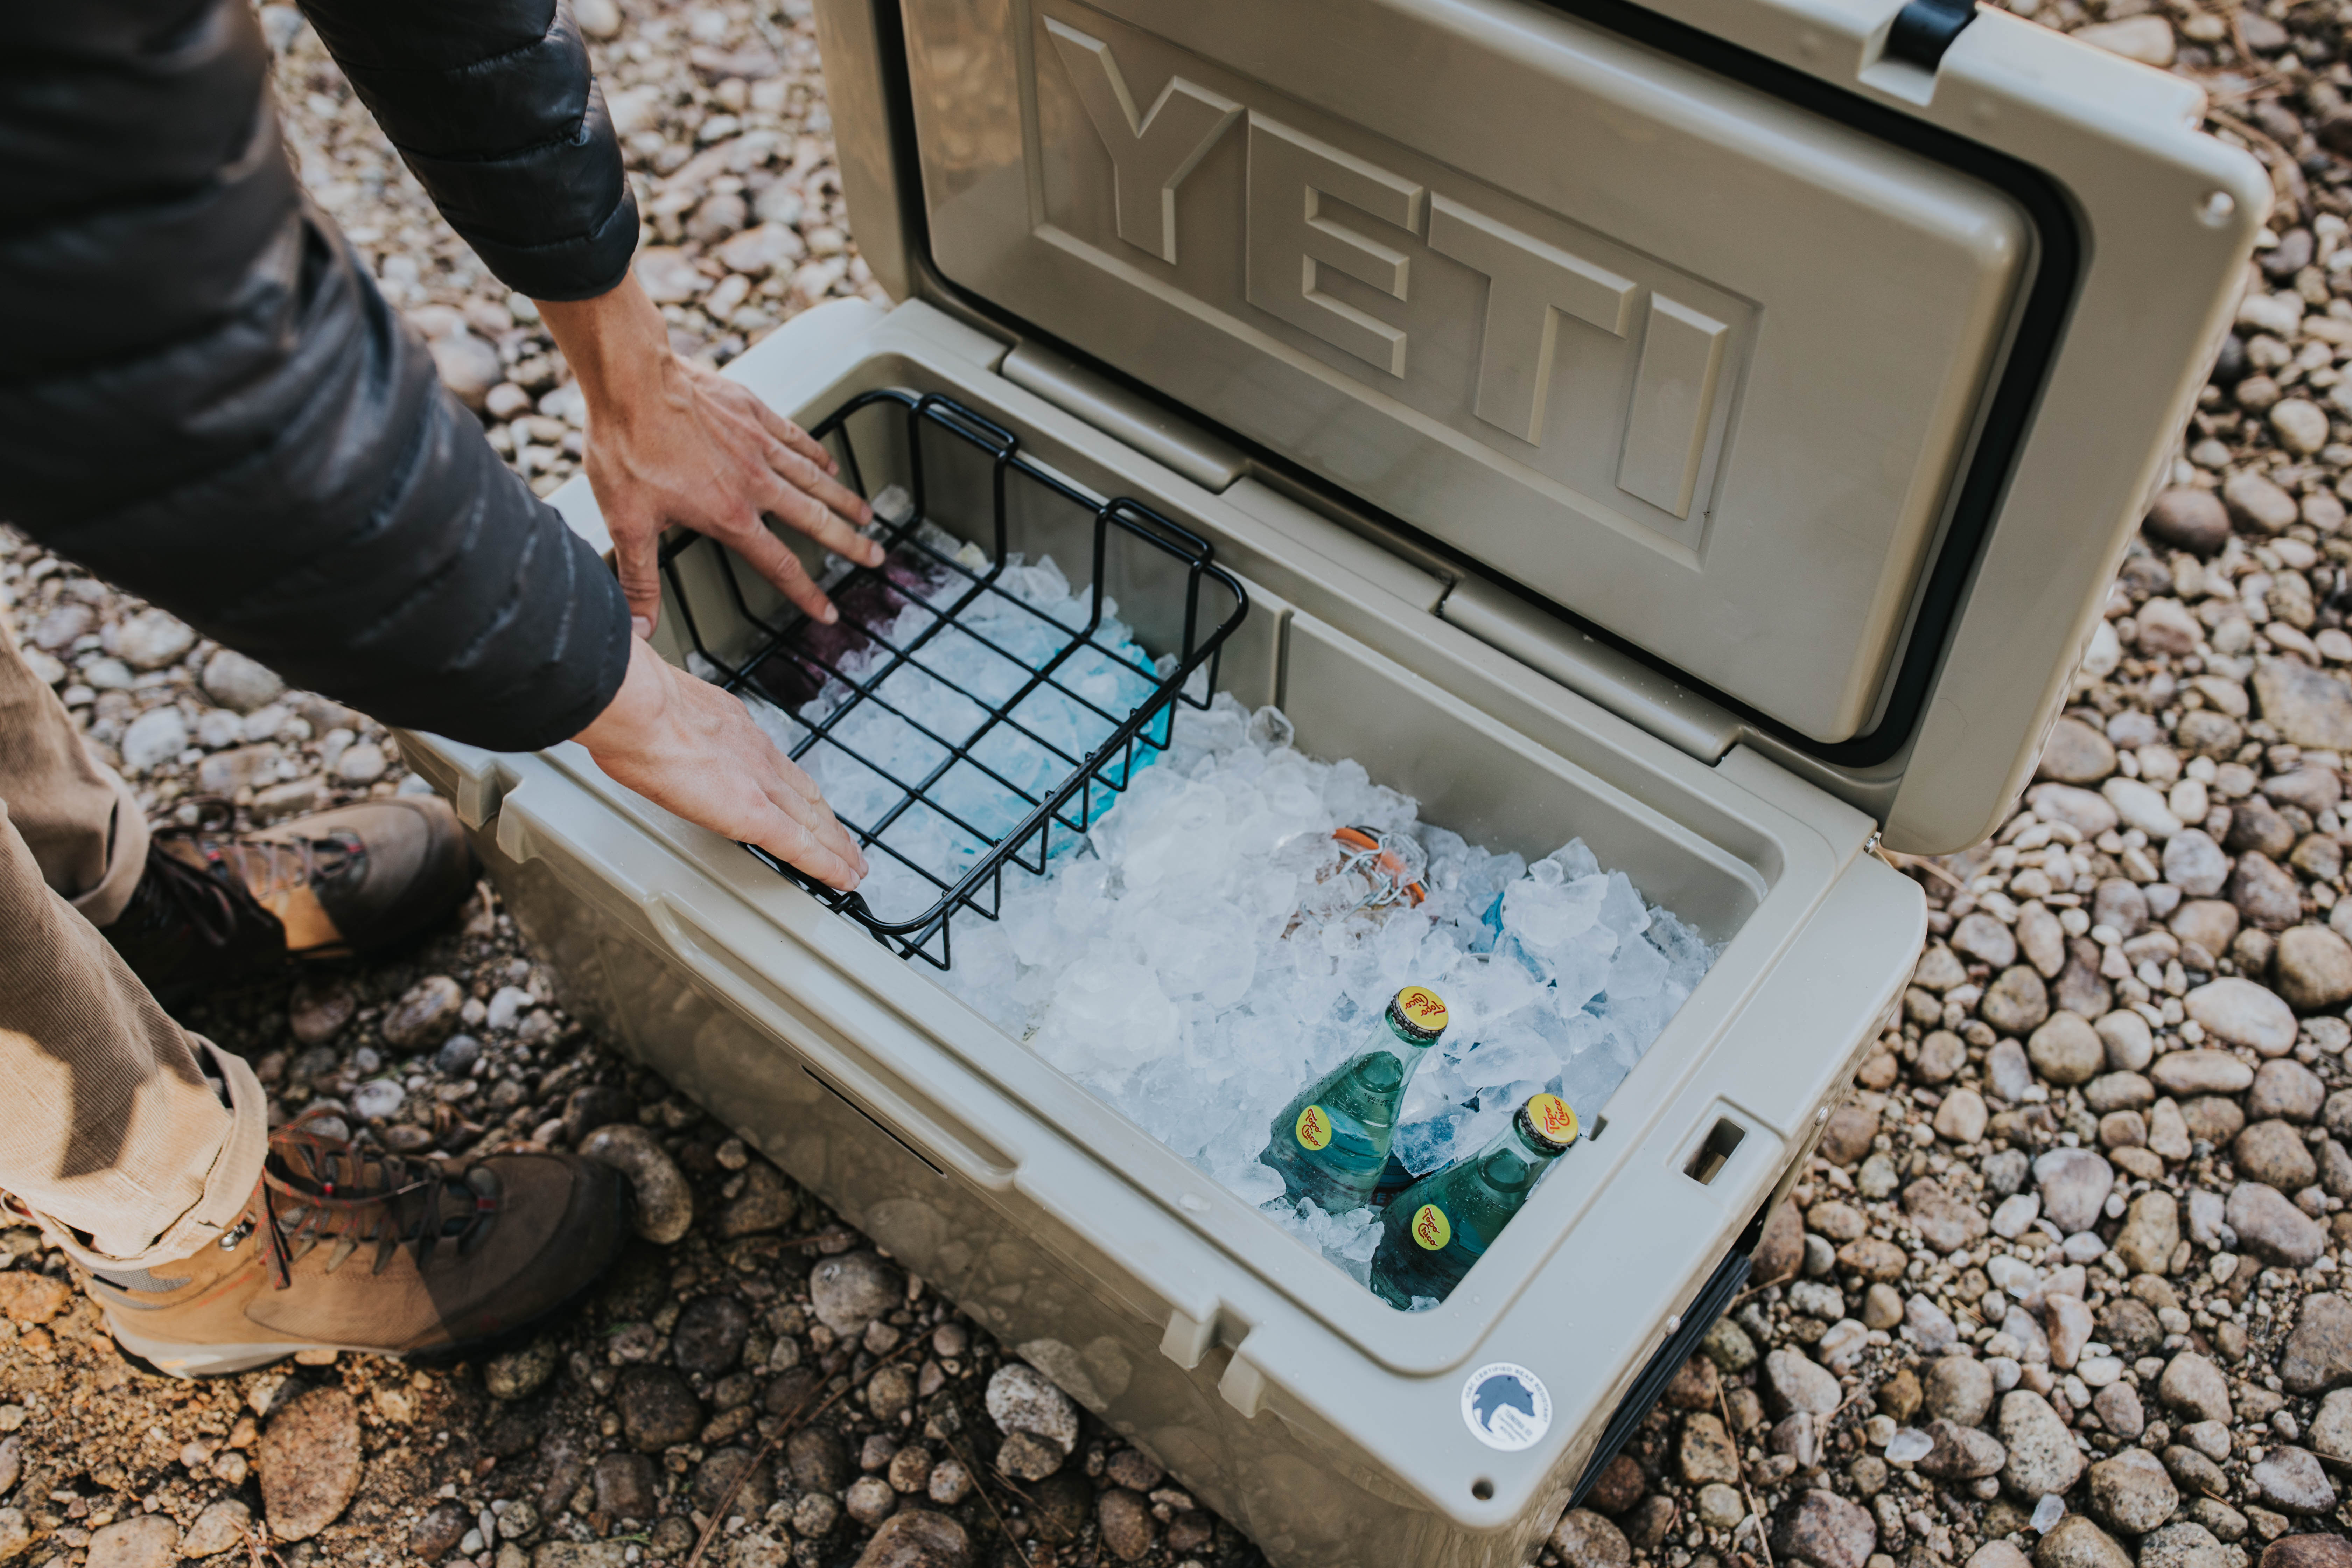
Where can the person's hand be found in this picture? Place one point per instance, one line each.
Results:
(672, 443)
(690, 747)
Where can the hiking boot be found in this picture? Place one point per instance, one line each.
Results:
(214, 908)
(353, 1250)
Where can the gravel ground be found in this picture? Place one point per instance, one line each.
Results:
(2062, 1282)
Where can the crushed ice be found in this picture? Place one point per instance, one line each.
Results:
(1154, 966)
(1166, 966)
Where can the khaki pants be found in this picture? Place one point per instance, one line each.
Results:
(111, 1134)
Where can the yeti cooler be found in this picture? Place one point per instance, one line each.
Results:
(1708, 429)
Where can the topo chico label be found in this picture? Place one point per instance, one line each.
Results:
(1553, 1117)
(1313, 1128)
(1431, 1229)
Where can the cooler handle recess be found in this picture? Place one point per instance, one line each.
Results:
(814, 1015)
(827, 1021)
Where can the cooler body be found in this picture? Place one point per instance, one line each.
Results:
(1328, 1426)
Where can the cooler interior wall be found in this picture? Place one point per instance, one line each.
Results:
(1470, 775)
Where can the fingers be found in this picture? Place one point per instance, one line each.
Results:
(637, 559)
(766, 555)
(800, 441)
(830, 857)
(800, 499)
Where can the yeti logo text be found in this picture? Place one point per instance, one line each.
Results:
(1315, 210)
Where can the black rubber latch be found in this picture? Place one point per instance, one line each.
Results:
(1924, 29)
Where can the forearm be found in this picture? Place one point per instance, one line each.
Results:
(617, 346)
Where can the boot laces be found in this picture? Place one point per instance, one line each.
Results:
(318, 1189)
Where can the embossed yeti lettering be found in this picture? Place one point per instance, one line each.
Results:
(1152, 153)
(1314, 209)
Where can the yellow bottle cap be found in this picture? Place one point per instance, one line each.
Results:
(1418, 1014)
(1552, 1118)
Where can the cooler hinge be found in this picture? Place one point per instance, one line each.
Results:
(1924, 29)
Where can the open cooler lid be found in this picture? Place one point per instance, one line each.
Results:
(1820, 356)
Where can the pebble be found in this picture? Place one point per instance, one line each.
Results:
(222, 1526)
(2187, 518)
(2086, 811)
(710, 1335)
(2264, 892)
(1584, 1539)
(2270, 1226)
(2308, 1551)
(1793, 1383)
(1946, 1220)
(2067, 1050)
(767, 1202)
(2151, 1232)
(856, 1288)
(917, 1538)
(2131, 1491)
(424, 1016)
(2075, 1542)
(1720, 1506)
(1961, 1453)
(2138, 806)
(2315, 968)
(457, 1056)
(1026, 1457)
(2318, 1353)
(2195, 864)
(2307, 708)
(362, 762)
(657, 1408)
(151, 639)
(2184, 1545)
(2130, 1046)
(2119, 1411)
(155, 737)
(468, 367)
(1020, 1399)
(2200, 1072)
(2273, 1152)
(1985, 940)
(668, 275)
(2008, 1072)
(2292, 1479)
(1820, 1528)
(664, 1203)
(1125, 1520)
(869, 1501)
(309, 1459)
(144, 1541)
(2195, 1386)
(1707, 1452)
(2042, 1458)
(2331, 1428)
(2149, 39)
(1958, 1389)
(626, 1487)
(522, 1371)
(2074, 1184)
(2239, 1012)
(2017, 1002)
(241, 684)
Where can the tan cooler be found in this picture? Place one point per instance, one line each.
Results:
(1708, 429)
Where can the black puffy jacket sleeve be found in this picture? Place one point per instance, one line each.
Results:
(203, 398)
(492, 105)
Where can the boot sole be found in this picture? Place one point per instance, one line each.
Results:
(175, 1360)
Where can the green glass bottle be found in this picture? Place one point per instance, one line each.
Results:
(1330, 1143)
(1436, 1228)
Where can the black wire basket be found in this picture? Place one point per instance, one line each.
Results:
(970, 470)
